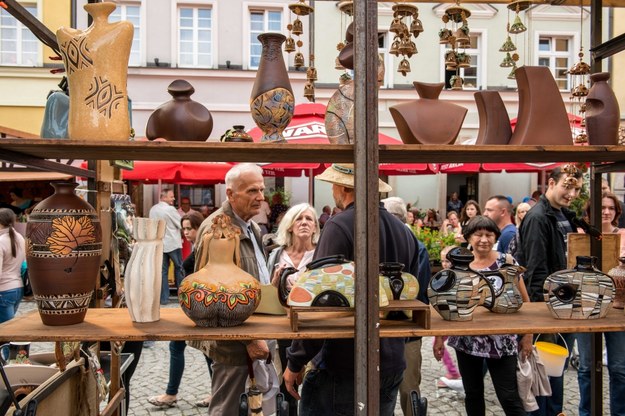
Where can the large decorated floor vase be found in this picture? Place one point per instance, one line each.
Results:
(583, 292)
(220, 294)
(63, 249)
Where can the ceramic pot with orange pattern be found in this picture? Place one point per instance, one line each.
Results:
(220, 294)
(63, 249)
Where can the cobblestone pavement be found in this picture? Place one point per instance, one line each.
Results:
(150, 379)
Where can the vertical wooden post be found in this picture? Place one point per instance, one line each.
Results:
(367, 336)
(596, 344)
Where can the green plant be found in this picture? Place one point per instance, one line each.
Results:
(434, 241)
(285, 196)
(579, 203)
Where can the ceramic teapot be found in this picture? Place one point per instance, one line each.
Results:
(583, 292)
(329, 281)
(456, 292)
(504, 284)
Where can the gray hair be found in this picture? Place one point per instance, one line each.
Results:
(284, 235)
(396, 206)
(234, 174)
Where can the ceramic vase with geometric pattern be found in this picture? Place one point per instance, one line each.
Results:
(96, 63)
(63, 249)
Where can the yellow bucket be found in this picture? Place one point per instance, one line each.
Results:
(553, 357)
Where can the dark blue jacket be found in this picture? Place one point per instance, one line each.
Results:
(397, 243)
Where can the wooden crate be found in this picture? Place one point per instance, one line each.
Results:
(579, 245)
(318, 315)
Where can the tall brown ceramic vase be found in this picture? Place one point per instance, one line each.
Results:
(602, 111)
(63, 248)
(96, 63)
(272, 102)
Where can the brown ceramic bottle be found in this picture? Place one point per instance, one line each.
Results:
(63, 249)
(272, 102)
(181, 118)
(602, 112)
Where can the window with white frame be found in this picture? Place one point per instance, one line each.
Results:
(18, 46)
(262, 21)
(195, 34)
(131, 13)
(556, 52)
(471, 75)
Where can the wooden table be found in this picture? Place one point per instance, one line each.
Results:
(115, 324)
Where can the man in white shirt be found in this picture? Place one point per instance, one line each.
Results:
(172, 242)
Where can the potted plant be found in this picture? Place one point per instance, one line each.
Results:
(434, 241)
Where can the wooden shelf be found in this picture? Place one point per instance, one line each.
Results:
(265, 152)
(103, 324)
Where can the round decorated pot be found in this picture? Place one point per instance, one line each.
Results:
(63, 248)
(220, 294)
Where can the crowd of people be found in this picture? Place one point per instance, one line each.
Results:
(318, 375)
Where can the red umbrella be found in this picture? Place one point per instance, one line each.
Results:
(459, 167)
(397, 169)
(177, 172)
(307, 126)
(518, 167)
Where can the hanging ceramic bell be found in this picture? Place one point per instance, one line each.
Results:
(311, 72)
(394, 47)
(443, 36)
(450, 58)
(309, 91)
(507, 61)
(404, 46)
(456, 82)
(298, 27)
(508, 46)
(512, 74)
(462, 36)
(289, 45)
(298, 61)
(464, 60)
(396, 26)
(517, 26)
(580, 91)
(580, 68)
(404, 67)
(416, 27)
(581, 138)
(338, 65)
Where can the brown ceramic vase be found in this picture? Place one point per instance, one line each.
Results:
(63, 248)
(618, 276)
(181, 118)
(602, 112)
(272, 102)
(220, 294)
(96, 63)
(428, 120)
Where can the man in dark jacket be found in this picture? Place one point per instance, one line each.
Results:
(543, 252)
(329, 388)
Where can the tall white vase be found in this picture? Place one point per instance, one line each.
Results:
(142, 277)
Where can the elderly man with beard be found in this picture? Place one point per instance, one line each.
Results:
(329, 388)
(244, 191)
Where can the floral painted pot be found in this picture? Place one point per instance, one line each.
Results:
(63, 249)
(221, 294)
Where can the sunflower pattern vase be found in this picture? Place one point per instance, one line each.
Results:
(221, 294)
(96, 62)
(63, 249)
(272, 103)
(583, 292)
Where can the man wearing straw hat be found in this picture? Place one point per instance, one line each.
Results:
(328, 389)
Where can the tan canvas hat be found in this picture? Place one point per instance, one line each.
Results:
(343, 174)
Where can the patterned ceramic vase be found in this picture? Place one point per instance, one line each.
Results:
(272, 102)
(398, 285)
(328, 281)
(618, 275)
(505, 286)
(143, 273)
(456, 292)
(583, 292)
(181, 118)
(63, 248)
(96, 63)
(220, 294)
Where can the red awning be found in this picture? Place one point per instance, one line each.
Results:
(177, 172)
